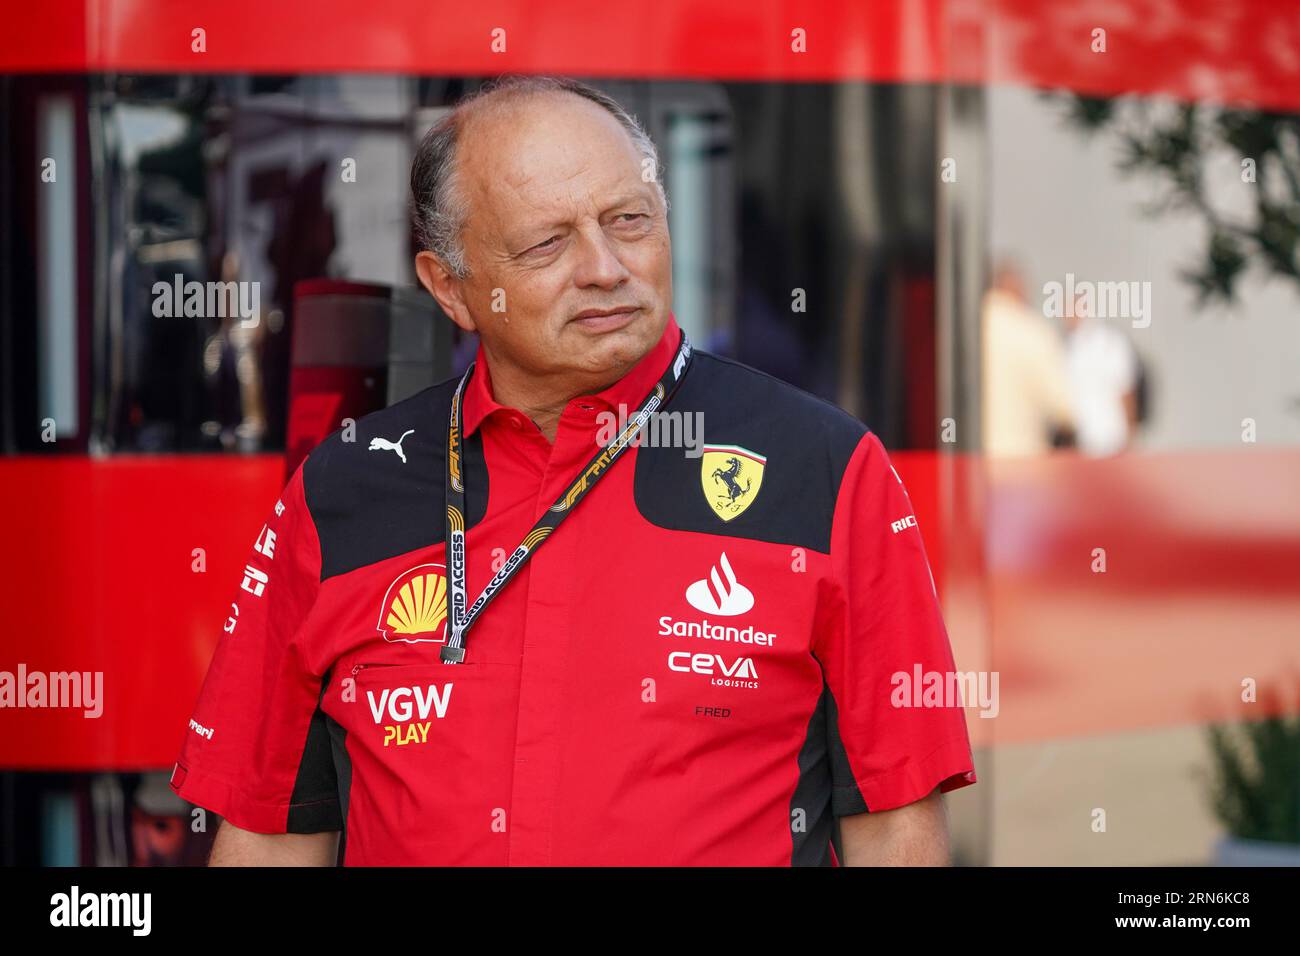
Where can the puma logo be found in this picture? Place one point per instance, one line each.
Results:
(383, 444)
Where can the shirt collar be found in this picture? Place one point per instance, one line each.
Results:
(628, 390)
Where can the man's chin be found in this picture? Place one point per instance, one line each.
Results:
(611, 348)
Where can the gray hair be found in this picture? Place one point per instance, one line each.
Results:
(438, 207)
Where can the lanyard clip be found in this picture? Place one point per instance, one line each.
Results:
(452, 655)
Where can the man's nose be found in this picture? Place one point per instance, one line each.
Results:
(598, 260)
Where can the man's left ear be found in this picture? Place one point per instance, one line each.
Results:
(445, 287)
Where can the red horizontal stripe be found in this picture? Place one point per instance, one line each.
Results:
(1242, 53)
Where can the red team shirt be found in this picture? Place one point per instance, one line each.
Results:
(697, 667)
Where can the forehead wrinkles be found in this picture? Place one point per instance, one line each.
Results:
(551, 181)
(514, 164)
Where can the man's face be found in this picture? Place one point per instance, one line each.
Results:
(561, 224)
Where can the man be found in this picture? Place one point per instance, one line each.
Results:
(697, 663)
(1027, 403)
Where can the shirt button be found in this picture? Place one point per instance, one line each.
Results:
(516, 424)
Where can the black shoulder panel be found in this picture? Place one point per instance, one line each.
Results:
(368, 504)
(807, 443)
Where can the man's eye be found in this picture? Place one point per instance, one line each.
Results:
(630, 216)
(543, 246)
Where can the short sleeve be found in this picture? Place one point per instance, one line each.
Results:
(257, 748)
(896, 722)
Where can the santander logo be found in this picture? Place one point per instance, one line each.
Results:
(720, 593)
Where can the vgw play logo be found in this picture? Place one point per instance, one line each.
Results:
(408, 709)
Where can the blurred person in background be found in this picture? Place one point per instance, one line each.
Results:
(1027, 403)
(1104, 374)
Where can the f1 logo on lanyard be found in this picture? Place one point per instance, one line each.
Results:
(453, 652)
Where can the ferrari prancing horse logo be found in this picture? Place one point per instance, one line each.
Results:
(731, 477)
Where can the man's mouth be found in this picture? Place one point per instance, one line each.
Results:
(606, 320)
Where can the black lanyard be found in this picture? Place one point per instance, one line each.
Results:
(453, 652)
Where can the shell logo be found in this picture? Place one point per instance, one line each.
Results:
(414, 609)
